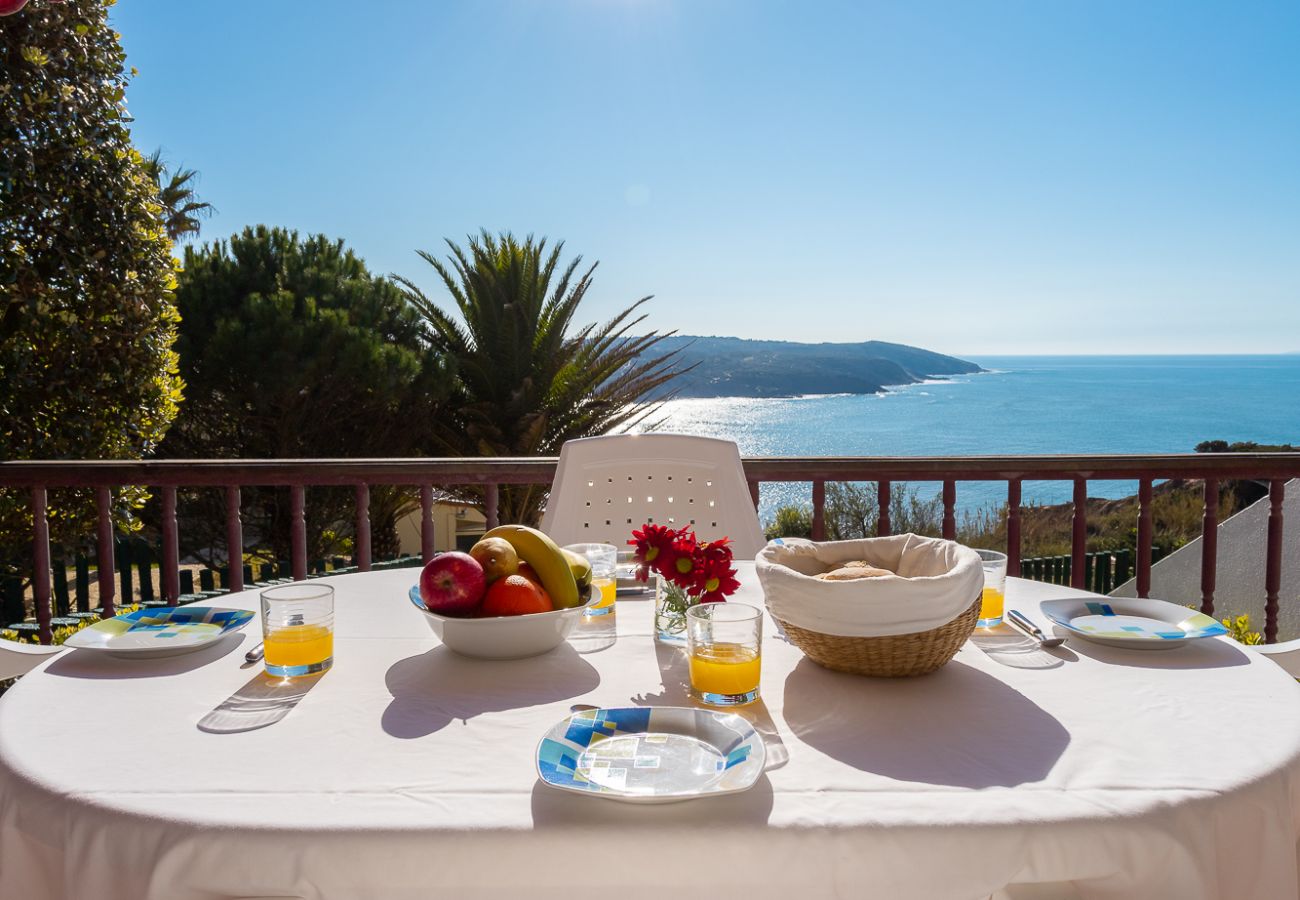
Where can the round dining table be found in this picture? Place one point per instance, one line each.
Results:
(409, 771)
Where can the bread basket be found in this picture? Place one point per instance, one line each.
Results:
(893, 626)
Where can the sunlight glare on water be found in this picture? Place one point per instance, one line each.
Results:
(1023, 405)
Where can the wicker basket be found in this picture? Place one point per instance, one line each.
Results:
(895, 656)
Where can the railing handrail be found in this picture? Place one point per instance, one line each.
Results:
(524, 470)
(38, 476)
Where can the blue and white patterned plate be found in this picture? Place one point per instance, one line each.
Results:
(149, 633)
(1132, 622)
(651, 754)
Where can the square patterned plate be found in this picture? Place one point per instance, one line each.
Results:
(651, 754)
(1132, 622)
(148, 633)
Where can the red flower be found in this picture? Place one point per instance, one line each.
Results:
(651, 542)
(681, 561)
(715, 579)
(716, 550)
(702, 569)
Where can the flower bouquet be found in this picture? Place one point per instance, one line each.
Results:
(689, 572)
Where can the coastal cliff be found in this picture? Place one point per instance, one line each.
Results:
(735, 367)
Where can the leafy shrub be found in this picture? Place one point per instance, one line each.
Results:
(790, 521)
(87, 318)
(1239, 630)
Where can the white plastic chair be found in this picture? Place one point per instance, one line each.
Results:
(606, 486)
(17, 658)
(1285, 654)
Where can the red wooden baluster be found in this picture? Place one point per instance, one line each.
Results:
(41, 559)
(1079, 540)
(491, 500)
(104, 559)
(362, 550)
(819, 511)
(753, 493)
(298, 531)
(1013, 527)
(426, 522)
(1144, 538)
(1209, 545)
(1273, 565)
(234, 541)
(171, 572)
(882, 515)
(950, 510)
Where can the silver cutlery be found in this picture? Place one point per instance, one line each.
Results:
(1022, 623)
(254, 655)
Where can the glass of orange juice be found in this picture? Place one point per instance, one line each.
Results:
(298, 629)
(604, 566)
(994, 597)
(724, 644)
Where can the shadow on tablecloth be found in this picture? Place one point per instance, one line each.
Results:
(553, 808)
(675, 681)
(958, 726)
(436, 688)
(1008, 647)
(263, 701)
(594, 634)
(1207, 653)
(99, 665)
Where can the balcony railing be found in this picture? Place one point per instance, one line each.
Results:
(426, 474)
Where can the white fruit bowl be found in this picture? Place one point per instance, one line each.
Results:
(503, 637)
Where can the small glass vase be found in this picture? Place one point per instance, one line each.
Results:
(671, 603)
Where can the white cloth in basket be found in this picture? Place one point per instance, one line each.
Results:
(937, 581)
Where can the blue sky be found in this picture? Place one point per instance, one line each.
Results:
(1002, 177)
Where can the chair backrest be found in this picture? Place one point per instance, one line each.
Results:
(17, 658)
(606, 486)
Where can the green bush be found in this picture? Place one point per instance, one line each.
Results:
(790, 521)
(1239, 630)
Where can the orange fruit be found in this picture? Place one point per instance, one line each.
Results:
(515, 595)
(529, 572)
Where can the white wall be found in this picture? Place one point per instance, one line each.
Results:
(1239, 586)
(446, 523)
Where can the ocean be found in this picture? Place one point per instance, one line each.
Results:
(1022, 404)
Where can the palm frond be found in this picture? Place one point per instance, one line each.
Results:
(528, 376)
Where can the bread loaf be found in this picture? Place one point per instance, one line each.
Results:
(853, 570)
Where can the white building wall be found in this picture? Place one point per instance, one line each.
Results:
(1239, 586)
(448, 520)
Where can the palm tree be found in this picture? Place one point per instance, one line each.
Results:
(527, 379)
(181, 207)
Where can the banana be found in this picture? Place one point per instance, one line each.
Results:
(579, 566)
(547, 560)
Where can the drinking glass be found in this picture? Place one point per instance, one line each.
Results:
(604, 564)
(298, 629)
(724, 643)
(995, 588)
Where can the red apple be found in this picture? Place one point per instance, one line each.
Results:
(452, 584)
(9, 7)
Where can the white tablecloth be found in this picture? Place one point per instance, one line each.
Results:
(407, 771)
